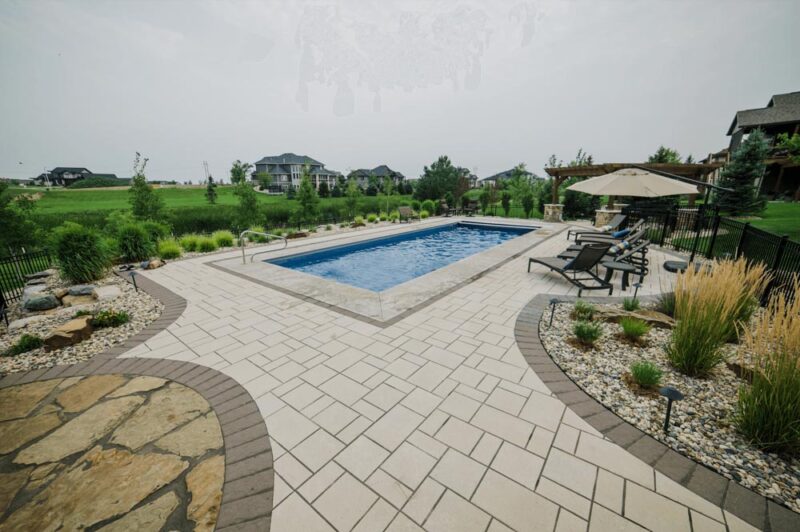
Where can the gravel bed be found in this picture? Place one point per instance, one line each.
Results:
(141, 308)
(701, 425)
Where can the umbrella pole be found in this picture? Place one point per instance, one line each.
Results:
(610, 202)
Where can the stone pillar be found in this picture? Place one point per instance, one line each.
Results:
(553, 212)
(603, 216)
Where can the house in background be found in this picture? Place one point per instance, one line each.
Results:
(781, 115)
(287, 169)
(363, 175)
(64, 176)
(506, 175)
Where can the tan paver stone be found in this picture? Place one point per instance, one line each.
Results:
(454, 514)
(137, 385)
(459, 435)
(317, 449)
(384, 397)
(195, 438)
(344, 389)
(402, 523)
(654, 511)
(292, 470)
(429, 376)
(505, 426)
(497, 526)
(460, 406)
(421, 401)
(302, 517)
(377, 518)
(79, 433)
(148, 518)
(289, 427)
(517, 507)
(738, 525)
(204, 483)
(568, 522)
(571, 472)
(607, 521)
(168, 408)
(10, 484)
(409, 465)
(16, 433)
(335, 417)
(345, 502)
(389, 488)
(541, 441)
(702, 523)
(543, 411)
(394, 427)
(518, 464)
(486, 449)
(100, 485)
(19, 401)
(614, 458)
(563, 497)
(609, 490)
(506, 401)
(362, 457)
(423, 500)
(458, 472)
(319, 482)
(84, 394)
(671, 489)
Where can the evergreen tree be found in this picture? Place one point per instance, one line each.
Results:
(324, 190)
(145, 203)
(741, 175)
(211, 190)
(665, 155)
(307, 197)
(19, 230)
(436, 179)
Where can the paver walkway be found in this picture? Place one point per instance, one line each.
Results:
(435, 422)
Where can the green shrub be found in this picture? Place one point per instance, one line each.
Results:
(189, 242)
(666, 303)
(134, 243)
(586, 332)
(630, 304)
(26, 342)
(358, 222)
(82, 313)
(634, 329)
(646, 374)
(206, 244)
(157, 231)
(258, 239)
(82, 255)
(394, 216)
(424, 214)
(329, 227)
(428, 205)
(169, 249)
(582, 311)
(372, 218)
(110, 318)
(343, 225)
(224, 239)
(415, 205)
(384, 216)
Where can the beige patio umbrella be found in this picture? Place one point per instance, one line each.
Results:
(633, 182)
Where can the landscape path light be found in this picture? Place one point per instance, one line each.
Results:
(672, 394)
(637, 286)
(553, 303)
(133, 280)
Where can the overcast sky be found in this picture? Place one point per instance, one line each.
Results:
(361, 83)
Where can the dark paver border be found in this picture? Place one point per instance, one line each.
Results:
(731, 496)
(247, 492)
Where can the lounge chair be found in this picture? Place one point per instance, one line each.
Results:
(610, 238)
(447, 210)
(612, 226)
(617, 247)
(470, 208)
(587, 259)
(632, 261)
(406, 213)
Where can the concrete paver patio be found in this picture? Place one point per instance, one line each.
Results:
(434, 422)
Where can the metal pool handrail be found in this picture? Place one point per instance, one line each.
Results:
(268, 235)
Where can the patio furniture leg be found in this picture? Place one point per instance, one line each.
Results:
(624, 281)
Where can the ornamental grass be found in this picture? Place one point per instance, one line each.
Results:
(710, 304)
(768, 410)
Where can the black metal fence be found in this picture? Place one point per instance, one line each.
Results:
(703, 232)
(15, 267)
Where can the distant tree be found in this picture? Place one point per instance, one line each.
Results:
(248, 204)
(741, 174)
(145, 203)
(239, 171)
(483, 198)
(436, 179)
(290, 192)
(351, 197)
(307, 197)
(449, 199)
(505, 201)
(527, 203)
(372, 190)
(324, 190)
(689, 159)
(519, 184)
(543, 194)
(791, 145)
(264, 180)
(388, 189)
(581, 159)
(336, 192)
(665, 155)
(19, 230)
(211, 190)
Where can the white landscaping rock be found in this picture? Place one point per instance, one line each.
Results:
(106, 293)
(24, 322)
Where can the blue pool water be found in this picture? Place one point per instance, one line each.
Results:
(382, 263)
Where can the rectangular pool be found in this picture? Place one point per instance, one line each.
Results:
(382, 263)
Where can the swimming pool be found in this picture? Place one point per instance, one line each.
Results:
(382, 263)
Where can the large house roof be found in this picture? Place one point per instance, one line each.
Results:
(378, 171)
(288, 158)
(70, 169)
(781, 109)
(507, 175)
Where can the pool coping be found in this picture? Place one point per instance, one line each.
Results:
(248, 488)
(727, 494)
(509, 253)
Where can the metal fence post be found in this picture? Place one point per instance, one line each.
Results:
(664, 229)
(714, 231)
(699, 215)
(742, 239)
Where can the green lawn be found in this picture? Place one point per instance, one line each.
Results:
(780, 218)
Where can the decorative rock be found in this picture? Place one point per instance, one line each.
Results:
(43, 475)
(72, 301)
(37, 302)
(139, 384)
(100, 485)
(155, 263)
(24, 322)
(70, 333)
(14, 434)
(30, 291)
(19, 401)
(79, 433)
(81, 289)
(36, 282)
(41, 275)
(87, 392)
(205, 485)
(106, 293)
(149, 517)
(168, 408)
(10, 483)
(195, 438)
(60, 292)
(654, 318)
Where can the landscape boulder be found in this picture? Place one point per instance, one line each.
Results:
(39, 302)
(155, 263)
(71, 301)
(40, 275)
(652, 317)
(69, 333)
(24, 322)
(106, 293)
(60, 292)
(30, 291)
(81, 289)
(34, 282)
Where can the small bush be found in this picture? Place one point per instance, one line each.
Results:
(630, 304)
(157, 231)
(329, 227)
(206, 244)
(646, 374)
(343, 225)
(82, 313)
(189, 242)
(634, 329)
(415, 205)
(169, 249)
(26, 342)
(258, 239)
(428, 205)
(358, 222)
(586, 332)
(582, 311)
(135, 243)
(394, 216)
(383, 216)
(424, 214)
(666, 304)
(224, 239)
(82, 255)
(372, 218)
(110, 318)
